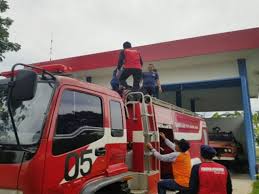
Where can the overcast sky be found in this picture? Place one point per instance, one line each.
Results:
(81, 27)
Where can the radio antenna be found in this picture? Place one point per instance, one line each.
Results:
(51, 47)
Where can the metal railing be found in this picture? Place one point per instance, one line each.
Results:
(173, 107)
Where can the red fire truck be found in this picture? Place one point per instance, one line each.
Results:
(59, 135)
(226, 145)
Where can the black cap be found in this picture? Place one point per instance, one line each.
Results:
(126, 45)
(208, 152)
(183, 145)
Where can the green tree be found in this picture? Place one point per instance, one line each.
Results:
(216, 115)
(232, 115)
(5, 23)
(235, 114)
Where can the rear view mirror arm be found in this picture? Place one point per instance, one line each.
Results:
(32, 67)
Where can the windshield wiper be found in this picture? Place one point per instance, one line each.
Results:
(11, 85)
(9, 97)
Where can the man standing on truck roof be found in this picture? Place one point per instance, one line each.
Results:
(209, 176)
(181, 165)
(132, 64)
(151, 81)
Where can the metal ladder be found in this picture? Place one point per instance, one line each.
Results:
(145, 100)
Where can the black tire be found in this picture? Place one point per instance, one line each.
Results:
(118, 188)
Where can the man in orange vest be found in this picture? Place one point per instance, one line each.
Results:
(181, 165)
(209, 176)
(132, 63)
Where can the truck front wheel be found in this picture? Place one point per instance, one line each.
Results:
(118, 188)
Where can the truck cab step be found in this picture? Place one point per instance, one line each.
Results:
(139, 191)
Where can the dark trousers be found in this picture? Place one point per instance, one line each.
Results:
(151, 90)
(168, 185)
(126, 73)
(156, 92)
(115, 86)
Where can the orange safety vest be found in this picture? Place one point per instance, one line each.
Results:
(181, 168)
(132, 59)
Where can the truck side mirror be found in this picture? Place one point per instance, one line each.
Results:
(24, 86)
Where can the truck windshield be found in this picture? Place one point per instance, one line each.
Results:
(29, 115)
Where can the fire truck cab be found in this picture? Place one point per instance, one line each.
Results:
(59, 135)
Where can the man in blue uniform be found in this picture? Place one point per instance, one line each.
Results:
(151, 81)
(115, 80)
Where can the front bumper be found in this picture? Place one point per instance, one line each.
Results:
(224, 158)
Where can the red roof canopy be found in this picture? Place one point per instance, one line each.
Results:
(217, 43)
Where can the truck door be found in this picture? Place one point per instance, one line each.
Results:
(76, 151)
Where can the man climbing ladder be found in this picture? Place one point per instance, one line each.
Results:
(132, 63)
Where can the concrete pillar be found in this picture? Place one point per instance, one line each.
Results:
(179, 98)
(249, 132)
(193, 105)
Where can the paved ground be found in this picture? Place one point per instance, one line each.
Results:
(241, 184)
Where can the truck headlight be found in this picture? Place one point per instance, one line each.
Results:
(226, 150)
(229, 150)
(10, 191)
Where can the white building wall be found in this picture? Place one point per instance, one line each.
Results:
(193, 69)
(198, 72)
(253, 74)
(174, 71)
